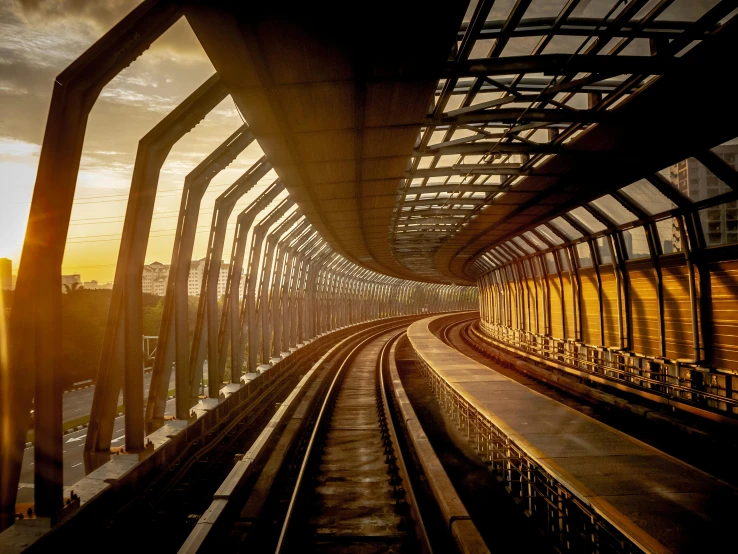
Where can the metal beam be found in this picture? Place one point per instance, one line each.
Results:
(121, 360)
(173, 342)
(485, 147)
(561, 64)
(516, 115)
(207, 324)
(34, 357)
(491, 169)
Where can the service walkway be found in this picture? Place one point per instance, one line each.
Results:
(658, 502)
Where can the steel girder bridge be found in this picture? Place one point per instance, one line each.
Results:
(531, 160)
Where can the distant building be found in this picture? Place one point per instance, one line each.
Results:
(154, 279)
(6, 274)
(91, 285)
(156, 275)
(70, 280)
(197, 269)
(719, 223)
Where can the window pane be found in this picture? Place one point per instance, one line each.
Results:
(720, 224)
(536, 267)
(513, 247)
(587, 220)
(648, 197)
(524, 245)
(669, 235)
(614, 210)
(535, 240)
(501, 254)
(550, 263)
(552, 237)
(636, 243)
(603, 249)
(563, 260)
(728, 151)
(695, 181)
(565, 227)
(585, 258)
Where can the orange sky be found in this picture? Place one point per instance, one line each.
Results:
(42, 43)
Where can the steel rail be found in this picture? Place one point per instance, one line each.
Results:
(325, 411)
(445, 329)
(382, 368)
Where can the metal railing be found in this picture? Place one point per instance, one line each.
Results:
(567, 520)
(675, 381)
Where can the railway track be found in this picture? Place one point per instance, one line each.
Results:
(337, 470)
(353, 492)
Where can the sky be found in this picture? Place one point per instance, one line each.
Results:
(39, 39)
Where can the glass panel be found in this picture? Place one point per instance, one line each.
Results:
(513, 246)
(552, 237)
(636, 243)
(535, 240)
(585, 258)
(648, 197)
(563, 260)
(603, 250)
(550, 263)
(728, 151)
(720, 224)
(502, 254)
(587, 219)
(695, 181)
(669, 236)
(536, 267)
(565, 227)
(523, 245)
(614, 210)
(496, 261)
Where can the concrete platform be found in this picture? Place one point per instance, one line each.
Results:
(666, 504)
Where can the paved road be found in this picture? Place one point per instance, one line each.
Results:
(74, 468)
(77, 403)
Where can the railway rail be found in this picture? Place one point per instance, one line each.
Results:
(353, 490)
(331, 472)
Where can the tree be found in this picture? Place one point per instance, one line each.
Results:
(74, 287)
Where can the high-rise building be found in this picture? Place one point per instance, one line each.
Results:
(154, 279)
(197, 269)
(719, 223)
(156, 275)
(6, 274)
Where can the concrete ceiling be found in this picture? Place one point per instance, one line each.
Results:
(341, 100)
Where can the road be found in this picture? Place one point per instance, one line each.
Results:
(76, 404)
(74, 468)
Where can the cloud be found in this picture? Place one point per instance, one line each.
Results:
(101, 13)
(99, 16)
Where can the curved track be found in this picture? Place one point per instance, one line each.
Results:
(353, 491)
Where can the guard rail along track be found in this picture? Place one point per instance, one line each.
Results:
(567, 519)
(158, 491)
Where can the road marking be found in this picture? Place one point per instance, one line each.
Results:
(75, 439)
(119, 438)
(25, 485)
(79, 464)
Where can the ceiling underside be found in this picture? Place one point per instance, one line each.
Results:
(414, 136)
